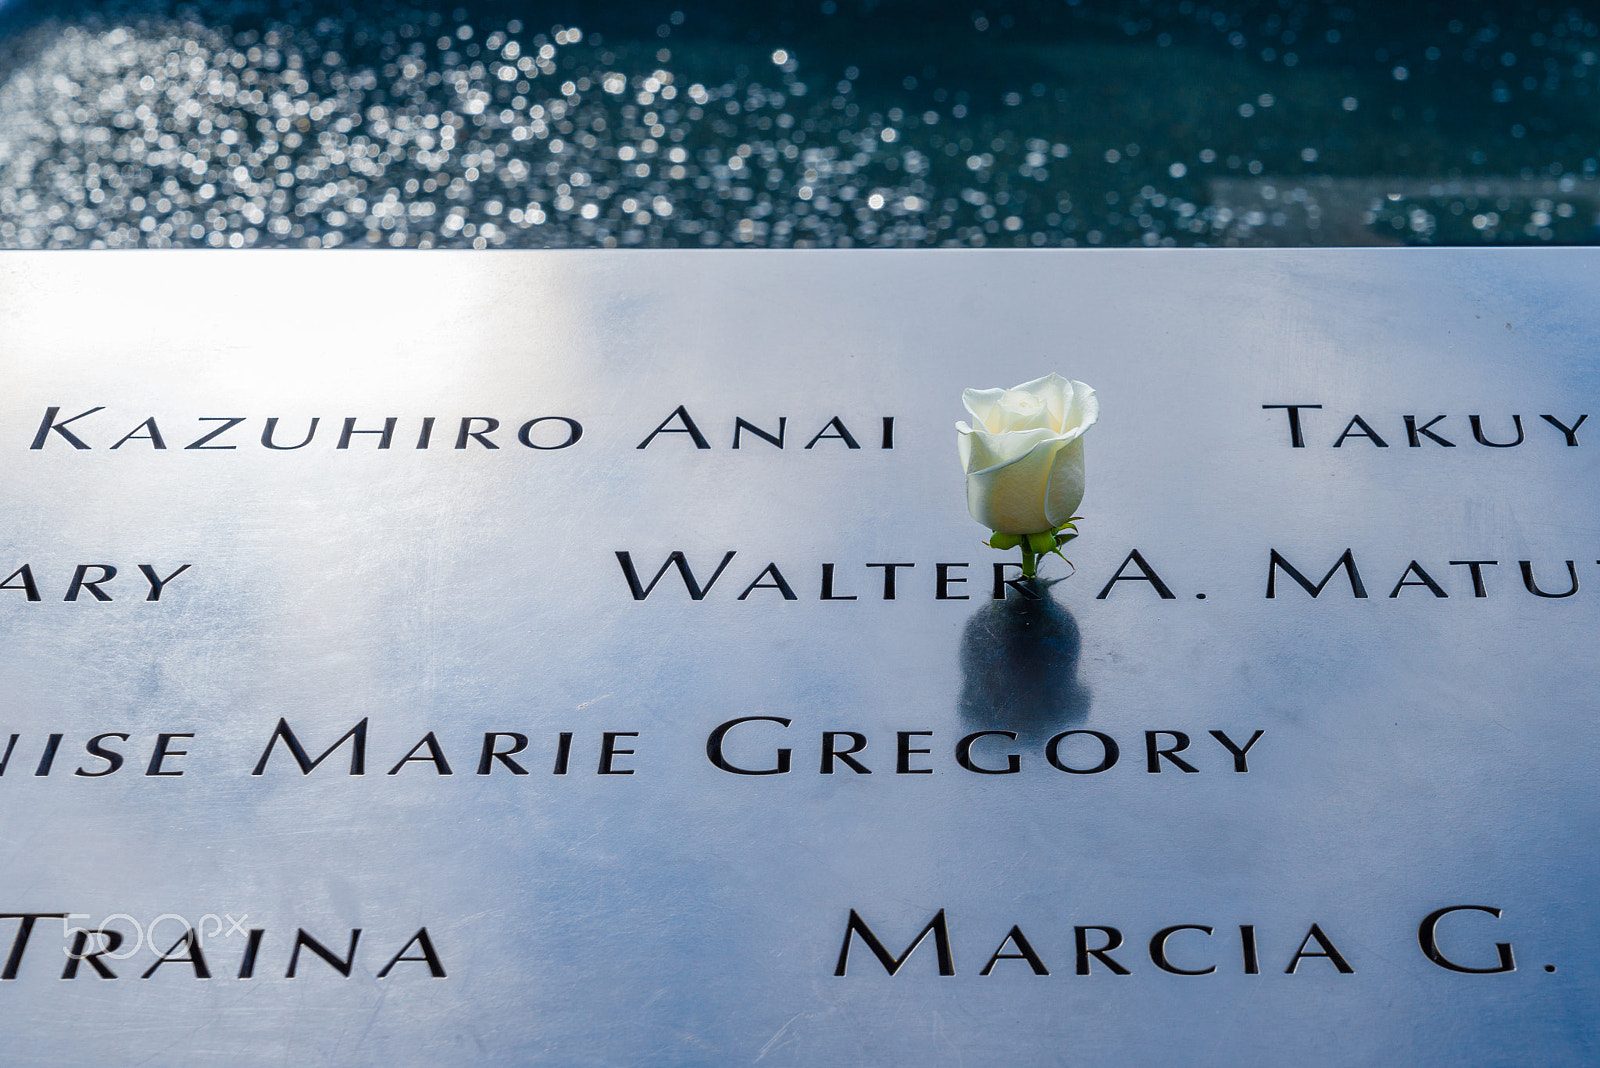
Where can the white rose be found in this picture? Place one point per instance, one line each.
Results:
(1024, 456)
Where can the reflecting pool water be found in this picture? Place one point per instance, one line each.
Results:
(836, 123)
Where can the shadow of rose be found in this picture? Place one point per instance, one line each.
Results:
(1019, 667)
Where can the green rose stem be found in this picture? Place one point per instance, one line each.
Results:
(1034, 546)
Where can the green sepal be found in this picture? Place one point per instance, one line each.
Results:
(1059, 537)
(1040, 543)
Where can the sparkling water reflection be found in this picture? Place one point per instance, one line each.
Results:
(234, 125)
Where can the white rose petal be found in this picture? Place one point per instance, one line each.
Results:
(1024, 456)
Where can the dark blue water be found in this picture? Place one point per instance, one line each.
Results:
(827, 123)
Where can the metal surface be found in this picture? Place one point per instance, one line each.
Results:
(1419, 752)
